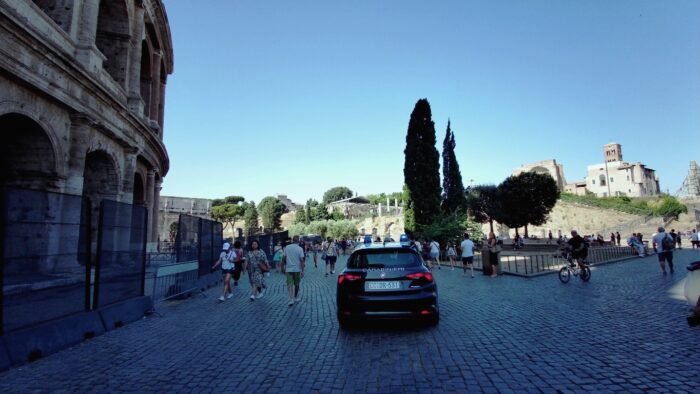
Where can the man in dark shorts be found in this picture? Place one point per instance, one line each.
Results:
(579, 249)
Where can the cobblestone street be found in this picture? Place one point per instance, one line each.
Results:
(624, 331)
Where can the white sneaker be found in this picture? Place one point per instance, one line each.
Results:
(260, 295)
(222, 299)
(229, 296)
(252, 298)
(297, 299)
(291, 302)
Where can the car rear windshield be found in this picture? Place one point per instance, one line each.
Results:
(384, 258)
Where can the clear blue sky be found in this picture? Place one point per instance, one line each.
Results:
(299, 96)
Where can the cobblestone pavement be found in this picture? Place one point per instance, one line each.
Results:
(623, 331)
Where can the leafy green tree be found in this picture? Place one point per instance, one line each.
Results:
(421, 169)
(336, 193)
(453, 199)
(299, 216)
(270, 210)
(250, 216)
(227, 200)
(483, 204)
(228, 214)
(342, 229)
(375, 199)
(527, 199)
(319, 211)
(450, 227)
(319, 227)
(297, 229)
(172, 230)
(670, 207)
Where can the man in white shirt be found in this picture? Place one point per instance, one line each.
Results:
(467, 247)
(293, 267)
(664, 249)
(694, 239)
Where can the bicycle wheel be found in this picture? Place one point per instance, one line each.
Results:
(586, 274)
(564, 275)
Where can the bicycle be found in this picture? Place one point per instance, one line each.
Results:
(572, 268)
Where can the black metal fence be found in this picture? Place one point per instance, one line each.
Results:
(57, 261)
(198, 240)
(187, 239)
(45, 257)
(267, 242)
(121, 252)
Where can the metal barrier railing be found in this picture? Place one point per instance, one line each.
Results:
(531, 264)
(156, 259)
(173, 280)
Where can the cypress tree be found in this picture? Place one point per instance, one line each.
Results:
(421, 169)
(453, 198)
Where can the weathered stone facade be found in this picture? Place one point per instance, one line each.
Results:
(172, 207)
(82, 89)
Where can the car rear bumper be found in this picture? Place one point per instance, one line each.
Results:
(404, 306)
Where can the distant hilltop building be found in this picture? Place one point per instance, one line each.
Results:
(556, 171)
(616, 177)
(291, 206)
(613, 177)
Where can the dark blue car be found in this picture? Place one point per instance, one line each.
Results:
(386, 281)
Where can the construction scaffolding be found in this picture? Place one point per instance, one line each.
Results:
(691, 183)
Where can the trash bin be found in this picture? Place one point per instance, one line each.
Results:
(692, 283)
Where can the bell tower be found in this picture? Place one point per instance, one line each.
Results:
(612, 152)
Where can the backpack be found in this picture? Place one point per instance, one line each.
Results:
(668, 243)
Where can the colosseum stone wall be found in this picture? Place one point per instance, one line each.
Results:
(82, 88)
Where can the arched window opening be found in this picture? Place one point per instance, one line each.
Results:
(139, 190)
(27, 156)
(60, 11)
(146, 77)
(602, 180)
(113, 38)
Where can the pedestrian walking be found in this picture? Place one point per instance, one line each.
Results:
(293, 264)
(451, 255)
(612, 239)
(618, 237)
(256, 265)
(664, 244)
(695, 239)
(676, 237)
(549, 237)
(277, 256)
(467, 247)
(494, 250)
(238, 261)
(331, 252)
(226, 261)
(435, 253)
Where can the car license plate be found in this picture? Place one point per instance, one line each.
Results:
(393, 285)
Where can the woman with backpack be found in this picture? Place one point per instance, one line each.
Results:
(330, 250)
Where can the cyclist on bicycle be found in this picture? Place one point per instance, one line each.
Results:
(579, 248)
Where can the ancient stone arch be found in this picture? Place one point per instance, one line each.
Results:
(28, 155)
(139, 189)
(112, 39)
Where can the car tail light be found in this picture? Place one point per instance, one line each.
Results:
(348, 277)
(425, 312)
(426, 276)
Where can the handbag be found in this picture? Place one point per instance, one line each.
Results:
(264, 267)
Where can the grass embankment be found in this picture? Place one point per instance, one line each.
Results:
(663, 205)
